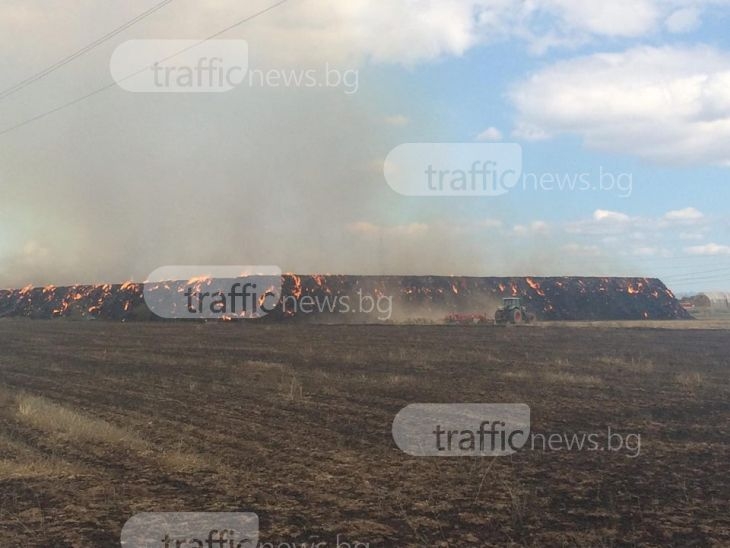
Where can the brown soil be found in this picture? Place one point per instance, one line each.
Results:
(99, 421)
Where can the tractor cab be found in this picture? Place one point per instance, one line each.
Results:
(511, 302)
(512, 312)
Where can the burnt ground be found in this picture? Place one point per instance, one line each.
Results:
(101, 420)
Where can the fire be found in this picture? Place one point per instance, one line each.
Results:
(637, 287)
(199, 280)
(262, 298)
(551, 298)
(535, 286)
(297, 292)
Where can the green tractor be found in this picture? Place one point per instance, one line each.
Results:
(512, 312)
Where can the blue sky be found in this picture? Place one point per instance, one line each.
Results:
(121, 183)
(469, 93)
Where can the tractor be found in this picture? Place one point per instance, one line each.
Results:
(512, 312)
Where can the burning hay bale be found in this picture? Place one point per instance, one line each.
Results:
(337, 298)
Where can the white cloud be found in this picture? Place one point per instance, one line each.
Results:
(618, 239)
(489, 223)
(645, 251)
(683, 20)
(581, 250)
(529, 132)
(540, 226)
(397, 120)
(615, 18)
(691, 236)
(708, 249)
(364, 228)
(617, 227)
(610, 216)
(411, 229)
(490, 134)
(396, 31)
(668, 104)
(534, 228)
(546, 24)
(686, 214)
(416, 31)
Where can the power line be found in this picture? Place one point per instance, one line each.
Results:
(686, 268)
(643, 260)
(114, 84)
(717, 277)
(88, 47)
(704, 282)
(704, 272)
(675, 259)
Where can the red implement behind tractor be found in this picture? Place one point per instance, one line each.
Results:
(467, 319)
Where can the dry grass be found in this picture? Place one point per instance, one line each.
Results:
(293, 390)
(399, 380)
(181, 461)
(520, 506)
(22, 461)
(57, 419)
(709, 323)
(334, 381)
(265, 365)
(36, 468)
(52, 417)
(561, 377)
(517, 375)
(690, 381)
(623, 364)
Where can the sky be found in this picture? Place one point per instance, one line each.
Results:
(631, 96)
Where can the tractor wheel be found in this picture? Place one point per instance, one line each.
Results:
(516, 316)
